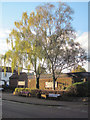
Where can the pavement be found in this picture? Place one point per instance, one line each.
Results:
(21, 110)
(39, 101)
(31, 107)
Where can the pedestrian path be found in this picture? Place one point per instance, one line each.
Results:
(38, 101)
(30, 100)
(0, 108)
(71, 107)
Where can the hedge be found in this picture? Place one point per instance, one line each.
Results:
(36, 92)
(79, 89)
(22, 89)
(32, 92)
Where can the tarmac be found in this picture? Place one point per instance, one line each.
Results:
(39, 101)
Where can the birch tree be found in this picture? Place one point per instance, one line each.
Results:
(58, 35)
(44, 40)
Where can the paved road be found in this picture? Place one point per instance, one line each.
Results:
(0, 105)
(37, 101)
(21, 110)
(0, 108)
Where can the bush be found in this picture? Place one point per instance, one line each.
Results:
(33, 92)
(27, 89)
(79, 89)
(36, 92)
(21, 89)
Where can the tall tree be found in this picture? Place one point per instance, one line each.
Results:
(26, 50)
(45, 39)
(58, 37)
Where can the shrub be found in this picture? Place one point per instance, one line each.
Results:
(79, 89)
(27, 89)
(21, 89)
(35, 92)
(16, 89)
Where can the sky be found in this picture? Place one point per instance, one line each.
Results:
(12, 11)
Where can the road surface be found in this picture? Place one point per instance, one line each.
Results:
(21, 110)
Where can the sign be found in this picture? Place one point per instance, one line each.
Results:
(21, 82)
(50, 84)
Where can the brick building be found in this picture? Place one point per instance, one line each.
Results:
(18, 80)
(46, 81)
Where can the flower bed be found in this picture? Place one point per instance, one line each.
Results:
(25, 93)
(37, 92)
(22, 91)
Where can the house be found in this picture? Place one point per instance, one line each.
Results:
(46, 82)
(4, 77)
(82, 76)
(64, 80)
(18, 80)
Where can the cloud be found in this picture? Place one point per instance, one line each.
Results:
(4, 33)
(83, 40)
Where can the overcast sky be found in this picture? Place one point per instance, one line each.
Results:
(12, 11)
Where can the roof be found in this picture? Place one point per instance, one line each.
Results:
(30, 73)
(15, 75)
(43, 76)
(75, 74)
(8, 69)
(79, 74)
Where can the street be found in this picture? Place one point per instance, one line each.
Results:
(0, 105)
(0, 108)
(22, 110)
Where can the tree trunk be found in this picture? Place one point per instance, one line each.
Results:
(53, 83)
(36, 80)
(53, 80)
(37, 83)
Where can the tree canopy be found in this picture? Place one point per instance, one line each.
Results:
(44, 41)
(79, 68)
